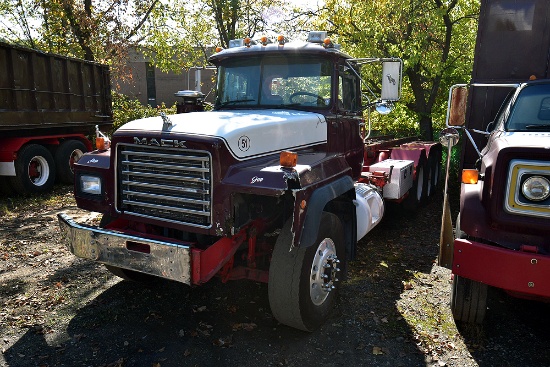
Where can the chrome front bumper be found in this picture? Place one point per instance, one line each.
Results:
(159, 258)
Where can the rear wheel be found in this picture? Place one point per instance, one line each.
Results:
(303, 282)
(68, 153)
(34, 170)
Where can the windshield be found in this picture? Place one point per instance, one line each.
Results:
(274, 82)
(531, 110)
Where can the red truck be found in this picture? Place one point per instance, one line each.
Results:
(276, 184)
(49, 105)
(502, 233)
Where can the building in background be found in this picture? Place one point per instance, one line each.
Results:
(152, 86)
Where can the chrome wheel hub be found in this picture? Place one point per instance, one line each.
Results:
(324, 271)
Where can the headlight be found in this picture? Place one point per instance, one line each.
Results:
(90, 185)
(536, 188)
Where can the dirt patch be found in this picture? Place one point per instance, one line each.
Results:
(58, 310)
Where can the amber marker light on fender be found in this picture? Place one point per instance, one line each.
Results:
(288, 159)
(470, 176)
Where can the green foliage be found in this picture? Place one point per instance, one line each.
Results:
(126, 109)
(435, 39)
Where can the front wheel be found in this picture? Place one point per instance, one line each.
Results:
(468, 300)
(303, 282)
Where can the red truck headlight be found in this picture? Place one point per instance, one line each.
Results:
(528, 188)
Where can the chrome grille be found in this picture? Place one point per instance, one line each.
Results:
(165, 183)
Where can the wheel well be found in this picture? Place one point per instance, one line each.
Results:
(344, 208)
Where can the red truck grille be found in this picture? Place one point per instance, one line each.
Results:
(165, 183)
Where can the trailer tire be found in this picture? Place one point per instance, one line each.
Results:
(468, 300)
(34, 170)
(435, 174)
(418, 192)
(297, 286)
(66, 155)
(124, 274)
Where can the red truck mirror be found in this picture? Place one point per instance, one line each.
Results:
(457, 106)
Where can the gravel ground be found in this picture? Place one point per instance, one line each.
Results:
(57, 310)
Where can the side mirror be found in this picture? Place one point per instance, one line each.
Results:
(457, 106)
(384, 108)
(391, 80)
(449, 137)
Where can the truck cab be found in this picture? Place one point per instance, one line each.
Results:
(502, 230)
(270, 185)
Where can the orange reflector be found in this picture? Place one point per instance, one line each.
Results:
(303, 204)
(100, 143)
(470, 176)
(288, 159)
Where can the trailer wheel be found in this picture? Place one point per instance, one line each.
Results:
(418, 191)
(66, 155)
(125, 274)
(303, 282)
(34, 170)
(435, 173)
(468, 300)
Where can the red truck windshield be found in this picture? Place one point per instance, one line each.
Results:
(531, 110)
(274, 82)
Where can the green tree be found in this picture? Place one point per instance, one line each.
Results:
(435, 39)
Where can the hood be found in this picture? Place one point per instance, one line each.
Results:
(246, 133)
(526, 139)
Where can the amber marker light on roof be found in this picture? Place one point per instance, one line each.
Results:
(219, 49)
(100, 143)
(470, 176)
(247, 41)
(327, 42)
(288, 159)
(281, 39)
(263, 40)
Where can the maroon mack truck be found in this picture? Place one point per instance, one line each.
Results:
(276, 184)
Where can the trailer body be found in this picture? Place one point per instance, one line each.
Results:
(49, 107)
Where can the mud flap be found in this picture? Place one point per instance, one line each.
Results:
(446, 238)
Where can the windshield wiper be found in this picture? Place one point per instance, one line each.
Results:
(537, 127)
(236, 101)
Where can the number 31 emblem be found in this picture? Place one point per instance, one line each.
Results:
(244, 143)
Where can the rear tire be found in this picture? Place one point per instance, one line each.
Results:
(34, 170)
(468, 300)
(66, 155)
(303, 282)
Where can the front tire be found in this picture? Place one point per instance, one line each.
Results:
(468, 300)
(303, 282)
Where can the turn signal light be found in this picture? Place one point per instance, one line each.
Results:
(470, 176)
(288, 159)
